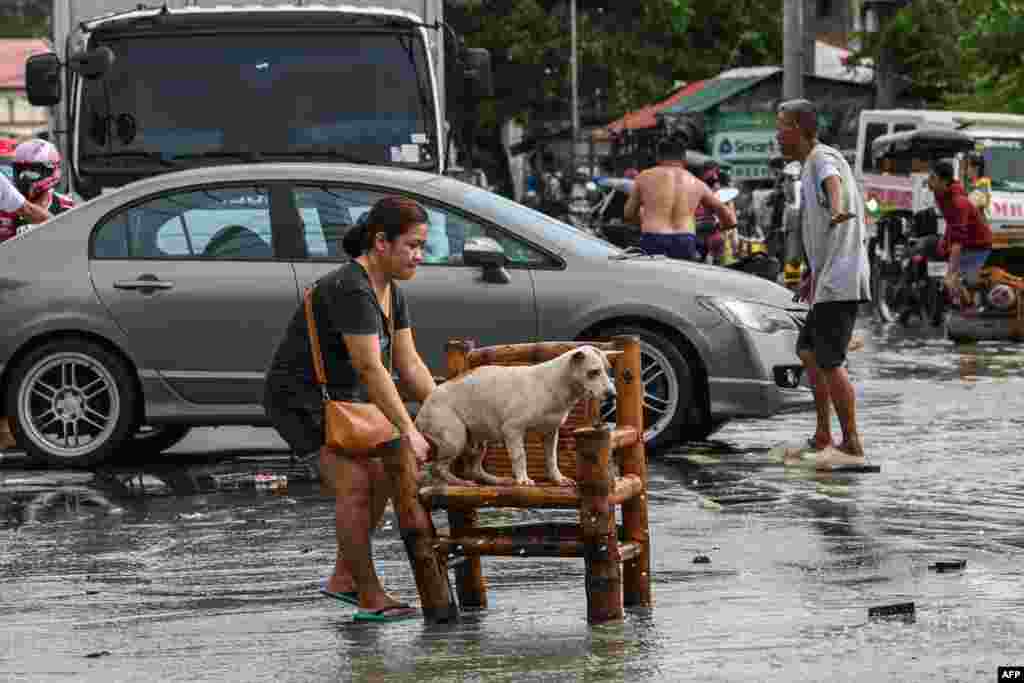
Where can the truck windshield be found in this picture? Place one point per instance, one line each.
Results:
(1004, 163)
(363, 96)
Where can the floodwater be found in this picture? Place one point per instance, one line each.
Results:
(167, 571)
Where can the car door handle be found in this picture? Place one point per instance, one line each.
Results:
(145, 284)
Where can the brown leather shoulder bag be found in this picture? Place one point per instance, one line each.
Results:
(356, 429)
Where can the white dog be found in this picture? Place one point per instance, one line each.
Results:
(499, 403)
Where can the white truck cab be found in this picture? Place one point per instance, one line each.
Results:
(136, 90)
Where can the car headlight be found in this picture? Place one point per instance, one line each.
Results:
(753, 316)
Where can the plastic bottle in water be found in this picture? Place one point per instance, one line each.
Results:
(274, 483)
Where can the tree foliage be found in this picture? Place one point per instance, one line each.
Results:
(965, 54)
(629, 54)
(23, 27)
(992, 51)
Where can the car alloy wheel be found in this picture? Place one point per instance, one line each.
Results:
(668, 388)
(72, 403)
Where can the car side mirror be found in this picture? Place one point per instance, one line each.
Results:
(478, 71)
(92, 64)
(42, 79)
(486, 253)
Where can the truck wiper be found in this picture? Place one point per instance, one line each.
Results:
(336, 154)
(144, 156)
(327, 152)
(242, 155)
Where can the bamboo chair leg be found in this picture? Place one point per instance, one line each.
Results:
(597, 523)
(417, 531)
(469, 575)
(469, 578)
(629, 387)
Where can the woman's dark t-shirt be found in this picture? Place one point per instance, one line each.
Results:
(343, 303)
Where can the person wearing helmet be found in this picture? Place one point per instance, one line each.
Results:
(30, 199)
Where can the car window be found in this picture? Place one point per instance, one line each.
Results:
(215, 223)
(512, 213)
(329, 212)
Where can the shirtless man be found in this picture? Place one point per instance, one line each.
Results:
(665, 198)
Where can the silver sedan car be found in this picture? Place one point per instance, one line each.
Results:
(156, 308)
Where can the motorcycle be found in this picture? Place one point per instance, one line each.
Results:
(907, 271)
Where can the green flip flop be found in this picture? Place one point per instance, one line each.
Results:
(347, 597)
(385, 614)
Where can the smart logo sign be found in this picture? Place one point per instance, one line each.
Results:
(747, 145)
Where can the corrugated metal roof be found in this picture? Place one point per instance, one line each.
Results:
(645, 116)
(716, 91)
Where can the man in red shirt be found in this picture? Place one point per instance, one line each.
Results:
(968, 238)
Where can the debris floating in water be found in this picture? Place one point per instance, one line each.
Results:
(710, 504)
(702, 559)
(948, 565)
(899, 610)
(97, 655)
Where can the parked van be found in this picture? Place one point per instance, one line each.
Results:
(903, 186)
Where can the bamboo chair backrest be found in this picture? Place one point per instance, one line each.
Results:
(586, 413)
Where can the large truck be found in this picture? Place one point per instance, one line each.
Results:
(138, 90)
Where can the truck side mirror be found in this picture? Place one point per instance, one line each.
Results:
(478, 71)
(92, 64)
(42, 79)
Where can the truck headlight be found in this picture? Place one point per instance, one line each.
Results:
(753, 316)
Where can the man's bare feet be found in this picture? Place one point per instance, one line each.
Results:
(832, 457)
(794, 454)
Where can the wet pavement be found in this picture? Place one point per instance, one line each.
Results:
(179, 569)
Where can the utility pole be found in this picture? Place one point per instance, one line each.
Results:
(793, 50)
(575, 88)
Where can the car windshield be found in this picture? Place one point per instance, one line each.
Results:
(1004, 163)
(193, 96)
(511, 213)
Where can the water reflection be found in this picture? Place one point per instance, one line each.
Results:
(204, 574)
(481, 647)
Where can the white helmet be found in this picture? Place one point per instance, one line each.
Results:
(36, 167)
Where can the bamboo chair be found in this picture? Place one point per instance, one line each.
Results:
(617, 559)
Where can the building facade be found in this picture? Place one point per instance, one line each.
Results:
(18, 118)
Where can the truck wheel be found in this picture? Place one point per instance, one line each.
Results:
(72, 403)
(669, 388)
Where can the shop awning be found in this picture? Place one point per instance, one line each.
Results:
(716, 91)
(645, 116)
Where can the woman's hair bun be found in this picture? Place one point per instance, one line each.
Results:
(354, 242)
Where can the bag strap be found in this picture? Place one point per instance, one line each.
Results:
(391, 332)
(314, 340)
(314, 343)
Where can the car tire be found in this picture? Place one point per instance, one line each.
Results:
(663, 427)
(154, 439)
(67, 390)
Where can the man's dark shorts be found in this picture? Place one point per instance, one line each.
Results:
(674, 245)
(827, 332)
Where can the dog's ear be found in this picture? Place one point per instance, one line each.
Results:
(578, 357)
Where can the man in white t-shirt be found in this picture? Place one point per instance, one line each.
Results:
(12, 201)
(833, 238)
